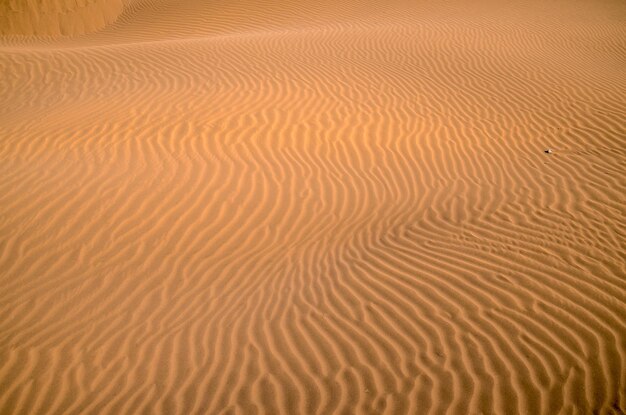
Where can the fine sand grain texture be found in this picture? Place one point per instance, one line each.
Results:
(312, 207)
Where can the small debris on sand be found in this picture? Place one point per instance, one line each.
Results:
(548, 151)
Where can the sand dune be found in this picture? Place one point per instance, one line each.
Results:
(57, 17)
(313, 207)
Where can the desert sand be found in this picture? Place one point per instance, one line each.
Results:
(312, 207)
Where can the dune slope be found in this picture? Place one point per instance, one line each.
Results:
(315, 207)
(57, 17)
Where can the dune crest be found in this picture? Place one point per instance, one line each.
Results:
(57, 17)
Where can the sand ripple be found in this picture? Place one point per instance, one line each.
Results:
(314, 208)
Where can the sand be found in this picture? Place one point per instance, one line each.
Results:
(313, 207)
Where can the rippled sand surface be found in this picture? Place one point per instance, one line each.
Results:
(313, 207)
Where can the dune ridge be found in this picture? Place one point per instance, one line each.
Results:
(317, 207)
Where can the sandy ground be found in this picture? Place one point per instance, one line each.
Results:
(281, 206)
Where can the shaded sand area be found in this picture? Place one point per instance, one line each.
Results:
(313, 207)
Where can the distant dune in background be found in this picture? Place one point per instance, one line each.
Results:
(57, 17)
(312, 207)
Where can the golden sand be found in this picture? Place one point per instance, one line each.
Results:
(313, 207)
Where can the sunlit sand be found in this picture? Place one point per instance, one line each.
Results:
(312, 207)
